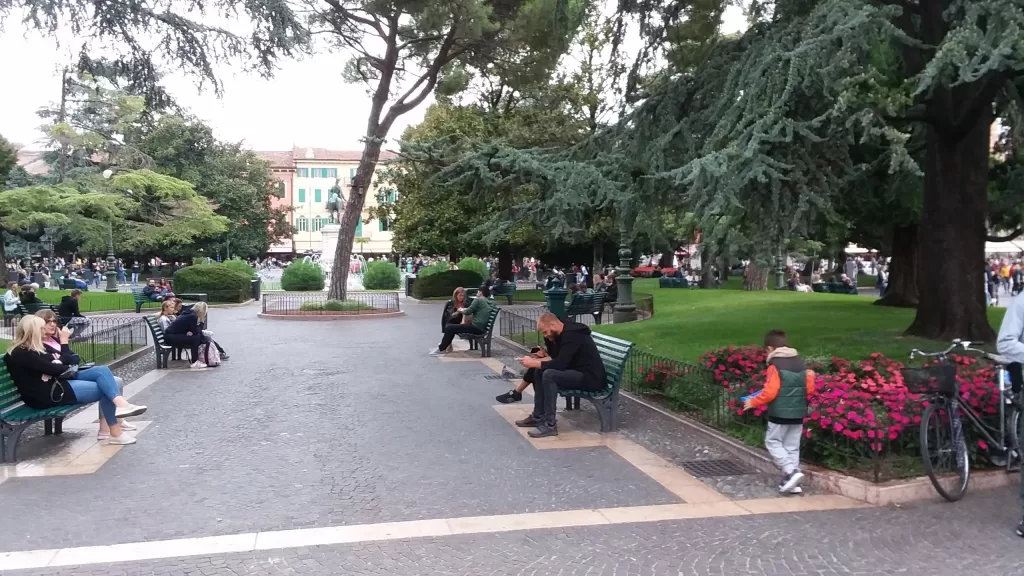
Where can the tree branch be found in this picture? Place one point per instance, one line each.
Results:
(348, 14)
(428, 79)
(1011, 236)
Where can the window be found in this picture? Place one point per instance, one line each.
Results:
(302, 195)
(317, 224)
(316, 195)
(280, 190)
(302, 224)
(385, 225)
(332, 172)
(351, 172)
(302, 172)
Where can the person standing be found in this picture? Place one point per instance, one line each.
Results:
(852, 269)
(575, 364)
(1010, 345)
(135, 271)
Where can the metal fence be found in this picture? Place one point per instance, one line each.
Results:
(318, 304)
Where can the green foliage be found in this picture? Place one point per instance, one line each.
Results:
(335, 306)
(381, 275)
(8, 159)
(237, 183)
(435, 268)
(302, 276)
(444, 283)
(220, 283)
(239, 265)
(474, 265)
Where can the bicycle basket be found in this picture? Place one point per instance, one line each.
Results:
(939, 379)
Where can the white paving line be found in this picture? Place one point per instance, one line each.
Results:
(355, 533)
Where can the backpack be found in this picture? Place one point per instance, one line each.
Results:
(209, 354)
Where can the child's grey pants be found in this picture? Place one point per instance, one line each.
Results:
(783, 443)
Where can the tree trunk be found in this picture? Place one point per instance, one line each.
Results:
(505, 263)
(902, 289)
(353, 212)
(3, 255)
(666, 260)
(755, 277)
(952, 235)
(598, 263)
(707, 277)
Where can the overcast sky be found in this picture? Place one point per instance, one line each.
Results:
(305, 104)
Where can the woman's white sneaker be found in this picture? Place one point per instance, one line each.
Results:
(128, 426)
(122, 440)
(129, 410)
(198, 365)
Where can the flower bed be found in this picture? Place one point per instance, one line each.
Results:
(861, 418)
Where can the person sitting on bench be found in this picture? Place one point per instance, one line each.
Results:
(516, 394)
(70, 315)
(575, 365)
(35, 374)
(479, 310)
(179, 309)
(186, 330)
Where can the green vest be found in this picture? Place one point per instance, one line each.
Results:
(791, 403)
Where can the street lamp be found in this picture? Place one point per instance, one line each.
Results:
(111, 264)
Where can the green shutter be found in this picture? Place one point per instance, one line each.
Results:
(351, 172)
(359, 227)
(302, 195)
(316, 195)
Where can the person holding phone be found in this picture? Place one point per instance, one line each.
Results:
(516, 394)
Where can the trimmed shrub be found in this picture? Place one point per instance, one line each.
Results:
(444, 283)
(220, 283)
(239, 265)
(335, 306)
(302, 276)
(475, 265)
(435, 268)
(381, 275)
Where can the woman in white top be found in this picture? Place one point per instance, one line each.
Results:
(11, 301)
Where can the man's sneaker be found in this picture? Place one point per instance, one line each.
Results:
(785, 478)
(435, 352)
(509, 397)
(122, 440)
(225, 357)
(543, 431)
(1020, 529)
(528, 422)
(793, 481)
(129, 410)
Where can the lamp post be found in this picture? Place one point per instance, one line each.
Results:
(111, 263)
(625, 310)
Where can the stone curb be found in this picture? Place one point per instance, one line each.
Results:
(881, 494)
(117, 363)
(329, 317)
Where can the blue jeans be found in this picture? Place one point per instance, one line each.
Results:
(97, 384)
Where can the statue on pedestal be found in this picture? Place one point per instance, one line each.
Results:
(334, 200)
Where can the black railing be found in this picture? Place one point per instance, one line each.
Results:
(317, 303)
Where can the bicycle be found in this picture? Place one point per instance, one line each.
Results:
(942, 421)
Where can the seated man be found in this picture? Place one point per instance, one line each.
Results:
(479, 311)
(69, 314)
(575, 364)
(150, 291)
(79, 283)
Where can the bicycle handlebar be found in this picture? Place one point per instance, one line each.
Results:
(962, 344)
(916, 352)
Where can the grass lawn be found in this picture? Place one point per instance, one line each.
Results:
(687, 323)
(95, 301)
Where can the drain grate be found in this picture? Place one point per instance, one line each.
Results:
(498, 377)
(708, 468)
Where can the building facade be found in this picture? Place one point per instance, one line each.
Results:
(306, 176)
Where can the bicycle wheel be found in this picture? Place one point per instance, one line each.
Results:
(1015, 431)
(944, 451)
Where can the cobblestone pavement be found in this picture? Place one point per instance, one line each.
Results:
(973, 537)
(315, 424)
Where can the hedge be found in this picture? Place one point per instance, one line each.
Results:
(239, 265)
(302, 276)
(220, 283)
(444, 283)
(435, 268)
(381, 275)
(474, 265)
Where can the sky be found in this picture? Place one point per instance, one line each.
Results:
(305, 104)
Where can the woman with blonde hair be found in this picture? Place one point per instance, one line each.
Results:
(36, 375)
(168, 312)
(56, 339)
(187, 330)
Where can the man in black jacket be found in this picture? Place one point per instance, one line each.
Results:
(575, 364)
(69, 314)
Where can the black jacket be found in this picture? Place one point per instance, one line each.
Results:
(184, 324)
(68, 308)
(29, 297)
(574, 349)
(27, 368)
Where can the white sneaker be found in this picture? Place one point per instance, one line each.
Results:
(128, 426)
(793, 482)
(436, 352)
(796, 490)
(198, 365)
(122, 440)
(129, 410)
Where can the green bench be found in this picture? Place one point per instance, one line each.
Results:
(483, 341)
(507, 289)
(15, 417)
(590, 303)
(614, 355)
(673, 282)
(26, 310)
